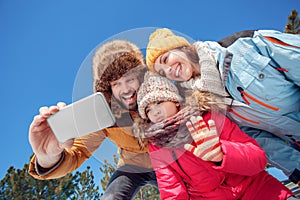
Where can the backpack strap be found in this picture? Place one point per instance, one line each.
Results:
(226, 42)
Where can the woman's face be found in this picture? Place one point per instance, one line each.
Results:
(174, 65)
(159, 111)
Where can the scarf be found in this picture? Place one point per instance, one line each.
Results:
(210, 79)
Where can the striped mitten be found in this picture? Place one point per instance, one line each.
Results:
(207, 142)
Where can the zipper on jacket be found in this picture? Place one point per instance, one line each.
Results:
(294, 140)
(245, 94)
(242, 117)
(277, 41)
(175, 158)
(282, 69)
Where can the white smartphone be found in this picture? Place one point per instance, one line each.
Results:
(82, 117)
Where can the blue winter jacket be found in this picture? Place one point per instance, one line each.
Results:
(264, 81)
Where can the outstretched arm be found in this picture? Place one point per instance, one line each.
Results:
(52, 159)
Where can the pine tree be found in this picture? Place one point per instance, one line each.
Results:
(19, 185)
(148, 192)
(293, 25)
(107, 170)
(86, 187)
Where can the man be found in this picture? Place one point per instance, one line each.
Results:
(118, 68)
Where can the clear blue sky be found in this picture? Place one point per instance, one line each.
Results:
(44, 42)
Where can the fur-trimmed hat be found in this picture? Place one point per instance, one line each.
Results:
(156, 88)
(161, 41)
(111, 61)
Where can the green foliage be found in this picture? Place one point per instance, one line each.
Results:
(86, 188)
(293, 25)
(107, 170)
(19, 185)
(147, 192)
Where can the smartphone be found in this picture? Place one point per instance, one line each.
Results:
(85, 116)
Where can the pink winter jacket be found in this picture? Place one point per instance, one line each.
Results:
(241, 175)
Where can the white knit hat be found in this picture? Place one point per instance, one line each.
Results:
(155, 88)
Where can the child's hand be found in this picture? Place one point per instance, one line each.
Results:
(207, 142)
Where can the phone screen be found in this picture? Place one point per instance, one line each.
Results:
(82, 117)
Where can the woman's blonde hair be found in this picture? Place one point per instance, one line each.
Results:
(204, 100)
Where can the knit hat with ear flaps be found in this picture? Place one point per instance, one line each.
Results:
(161, 41)
(155, 88)
(111, 61)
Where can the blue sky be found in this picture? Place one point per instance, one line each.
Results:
(43, 44)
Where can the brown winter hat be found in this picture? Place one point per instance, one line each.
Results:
(111, 61)
(156, 88)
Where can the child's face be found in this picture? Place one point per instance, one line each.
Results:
(159, 111)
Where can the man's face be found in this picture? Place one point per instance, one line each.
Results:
(125, 90)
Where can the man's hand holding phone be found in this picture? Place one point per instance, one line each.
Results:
(42, 139)
(55, 128)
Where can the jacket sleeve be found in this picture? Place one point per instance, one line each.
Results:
(72, 158)
(277, 151)
(242, 154)
(170, 184)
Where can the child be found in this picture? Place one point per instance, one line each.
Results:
(258, 75)
(226, 166)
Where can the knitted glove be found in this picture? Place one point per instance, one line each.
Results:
(208, 146)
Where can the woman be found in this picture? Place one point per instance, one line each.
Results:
(261, 77)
